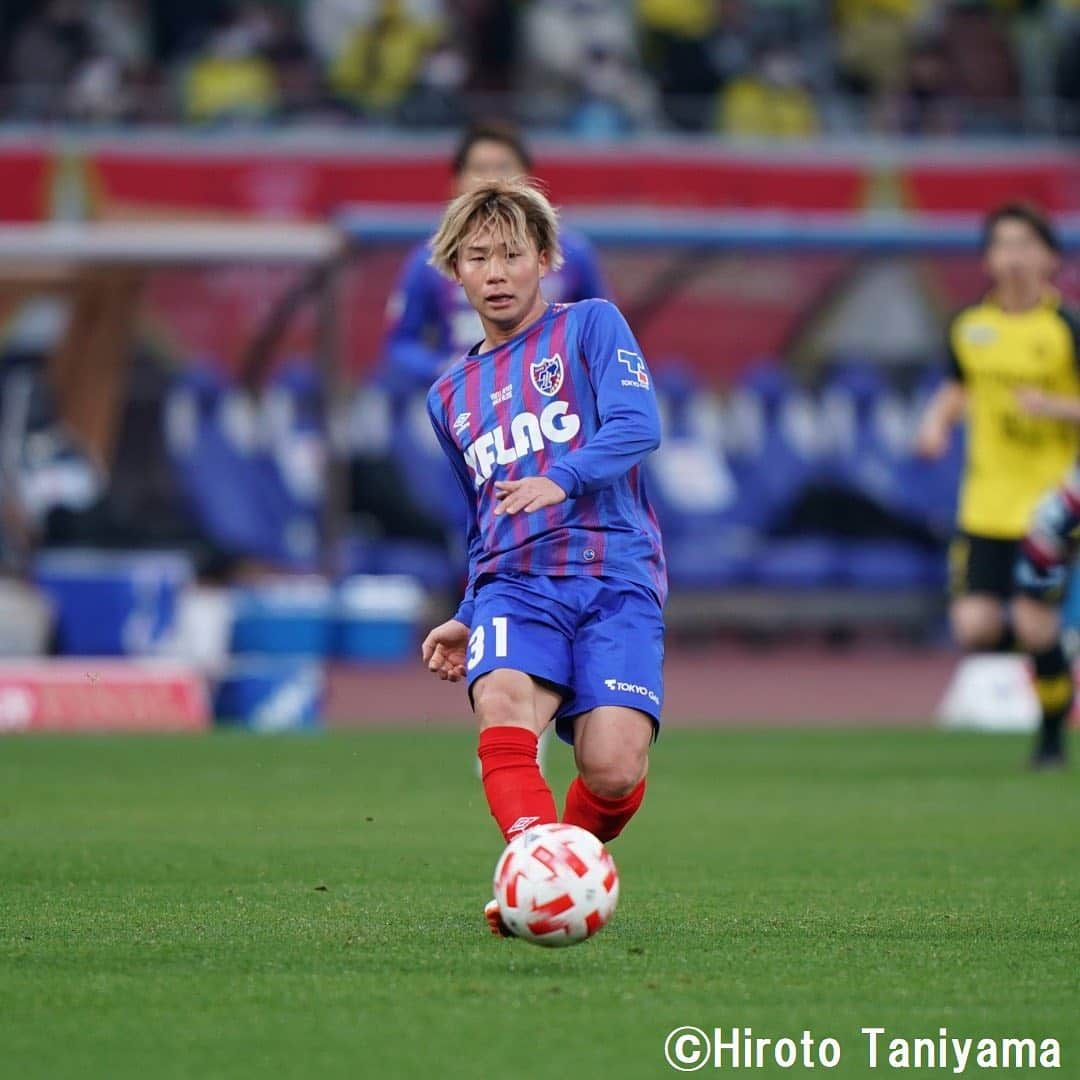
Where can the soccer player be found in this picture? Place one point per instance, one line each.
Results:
(546, 422)
(430, 320)
(1046, 553)
(1010, 355)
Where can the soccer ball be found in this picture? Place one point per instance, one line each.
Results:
(556, 885)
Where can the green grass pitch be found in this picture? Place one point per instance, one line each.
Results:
(235, 906)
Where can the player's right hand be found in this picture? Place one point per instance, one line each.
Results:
(444, 650)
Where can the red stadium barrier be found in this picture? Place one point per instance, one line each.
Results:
(736, 306)
(90, 695)
(280, 184)
(293, 178)
(24, 180)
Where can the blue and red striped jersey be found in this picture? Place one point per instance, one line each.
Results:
(570, 398)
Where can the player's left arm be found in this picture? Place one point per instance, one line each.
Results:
(625, 401)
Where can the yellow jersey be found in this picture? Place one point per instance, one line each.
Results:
(1013, 458)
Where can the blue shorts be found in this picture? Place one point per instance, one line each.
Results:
(599, 641)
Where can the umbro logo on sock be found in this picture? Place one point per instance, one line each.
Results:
(522, 824)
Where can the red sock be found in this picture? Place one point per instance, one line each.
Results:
(604, 818)
(515, 789)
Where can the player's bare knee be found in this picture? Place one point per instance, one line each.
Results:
(977, 628)
(497, 706)
(499, 701)
(1037, 625)
(613, 779)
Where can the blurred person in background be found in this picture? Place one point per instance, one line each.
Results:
(381, 59)
(924, 107)
(112, 81)
(45, 53)
(771, 101)
(610, 100)
(230, 77)
(1008, 355)
(429, 321)
(679, 43)
(303, 94)
(490, 37)
(1066, 76)
(580, 54)
(374, 51)
(985, 75)
(872, 41)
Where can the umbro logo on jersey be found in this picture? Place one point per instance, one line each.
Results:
(528, 434)
(461, 423)
(547, 375)
(636, 366)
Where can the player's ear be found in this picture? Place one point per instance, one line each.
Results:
(545, 262)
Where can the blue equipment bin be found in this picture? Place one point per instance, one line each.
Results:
(271, 694)
(379, 617)
(112, 603)
(290, 618)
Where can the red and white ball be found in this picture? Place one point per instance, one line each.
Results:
(556, 885)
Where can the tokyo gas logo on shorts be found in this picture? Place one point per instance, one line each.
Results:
(632, 688)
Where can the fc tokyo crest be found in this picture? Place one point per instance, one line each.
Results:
(547, 375)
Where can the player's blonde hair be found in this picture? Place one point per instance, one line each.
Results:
(513, 210)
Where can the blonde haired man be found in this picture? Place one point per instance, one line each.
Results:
(429, 320)
(546, 422)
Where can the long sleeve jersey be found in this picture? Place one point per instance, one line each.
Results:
(569, 398)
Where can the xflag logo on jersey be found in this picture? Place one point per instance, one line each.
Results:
(636, 366)
(528, 434)
(547, 375)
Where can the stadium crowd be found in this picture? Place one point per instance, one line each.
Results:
(588, 68)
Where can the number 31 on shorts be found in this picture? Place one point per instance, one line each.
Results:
(478, 637)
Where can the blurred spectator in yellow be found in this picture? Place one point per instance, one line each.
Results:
(379, 55)
(872, 43)
(232, 78)
(769, 102)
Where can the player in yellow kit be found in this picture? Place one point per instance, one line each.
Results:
(1009, 355)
